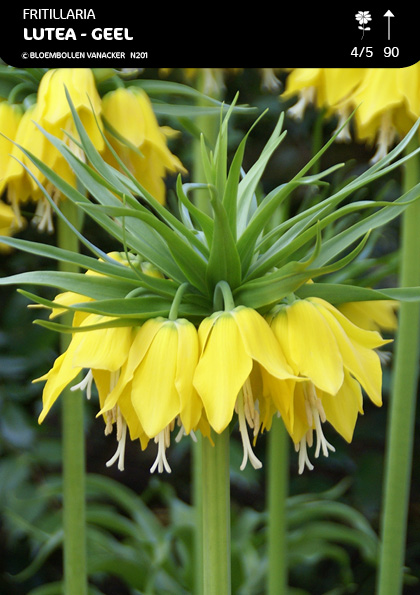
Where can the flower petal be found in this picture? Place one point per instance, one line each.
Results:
(187, 359)
(104, 349)
(310, 344)
(60, 375)
(223, 367)
(359, 356)
(138, 350)
(343, 408)
(154, 395)
(260, 343)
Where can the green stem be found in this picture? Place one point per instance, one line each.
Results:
(278, 484)
(216, 515)
(75, 572)
(402, 406)
(173, 313)
(223, 299)
(208, 125)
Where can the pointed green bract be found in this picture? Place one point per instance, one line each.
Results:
(237, 243)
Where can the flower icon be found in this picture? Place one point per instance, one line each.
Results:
(363, 17)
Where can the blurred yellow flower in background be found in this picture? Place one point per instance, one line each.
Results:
(139, 141)
(387, 100)
(52, 113)
(8, 224)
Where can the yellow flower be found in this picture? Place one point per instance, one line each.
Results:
(130, 114)
(375, 315)
(10, 116)
(156, 382)
(54, 109)
(52, 113)
(94, 350)
(8, 224)
(336, 359)
(325, 88)
(237, 350)
(19, 183)
(388, 101)
(90, 349)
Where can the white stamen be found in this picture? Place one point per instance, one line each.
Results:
(183, 433)
(121, 437)
(303, 455)
(345, 134)
(85, 384)
(306, 98)
(385, 139)
(43, 216)
(161, 462)
(315, 415)
(246, 444)
(321, 441)
(384, 356)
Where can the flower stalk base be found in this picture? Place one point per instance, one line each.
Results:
(73, 450)
(216, 515)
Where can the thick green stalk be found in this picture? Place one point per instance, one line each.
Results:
(402, 406)
(73, 450)
(208, 126)
(216, 515)
(278, 484)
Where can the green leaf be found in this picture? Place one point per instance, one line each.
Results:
(269, 290)
(251, 179)
(186, 257)
(224, 263)
(145, 242)
(205, 222)
(341, 293)
(110, 268)
(93, 286)
(231, 193)
(342, 240)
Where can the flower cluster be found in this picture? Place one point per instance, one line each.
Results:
(386, 100)
(304, 361)
(121, 125)
(216, 316)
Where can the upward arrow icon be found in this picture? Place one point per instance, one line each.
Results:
(389, 14)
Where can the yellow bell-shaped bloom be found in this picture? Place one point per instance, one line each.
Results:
(231, 343)
(336, 360)
(129, 113)
(320, 343)
(21, 186)
(52, 113)
(388, 103)
(102, 353)
(8, 224)
(240, 362)
(54, 109)
(375, 315)
(386, 100)
(160, 369)
(10, 116)
(155, 387)
(90, 349)
(330, 89)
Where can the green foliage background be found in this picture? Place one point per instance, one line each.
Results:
(141, 526)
